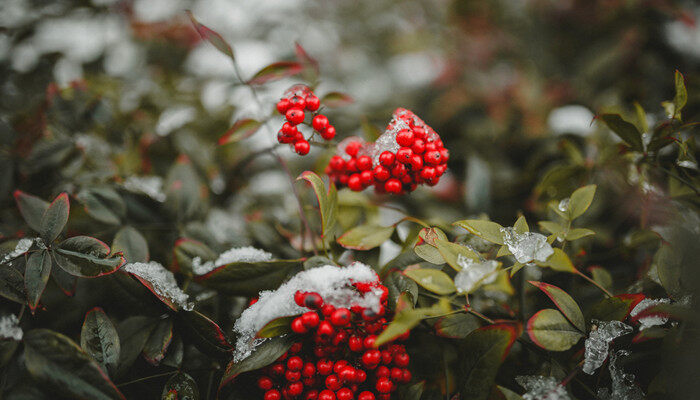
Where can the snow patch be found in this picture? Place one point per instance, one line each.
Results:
(528, 246)
(151, 186)
(237, 254)
(648, 322)
(542, 388)
(9, 328)
(163, 282)
(474, 273)
(623, 386)
(598, 343)
(21, 247)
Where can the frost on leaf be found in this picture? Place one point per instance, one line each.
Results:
(653, 320)
(237, 254)
(162, 281)
(623, 386)
(542, 388)
(564, 205)
(333, 283)
(151, 186)
(22, 247)
(473, 273)
(528, 246)
(598, 343)
(9, 328)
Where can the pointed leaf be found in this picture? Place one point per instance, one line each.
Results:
(241, 129)
(65, 281)
(457, 326)
(451, 253)
(425, 248)
(180, 386)
(204, 333)
(615, 308)
(487, 230)
(247, 279)
(564, 303)
(276, 71)
(579, 233)
(327, 201)
(99, 339)
(336, 99)
(559, 261)
(681, 97)
(624, 130)
(265, 354)
(131, 244)
(520, 225)
(32, 208)
(87, 257)
(550, 330)
(305, 58)
(277, 327)
(580, 200)
(211, 36)
(157, 344)
(55, 218)
(36, 276)
(12, 284)
(365, 237)
(186, 250)
(103, 204)
(133, 333)
(432, 280)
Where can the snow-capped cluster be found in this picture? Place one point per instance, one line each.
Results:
(652, 320)
(237, 254)
(598, 343)
(623, 386)
(151, 186)
(474, 273)
(542, 388)
(22, 246)
(332, 283)
(162, 281)
(9, 328)
(527, 247)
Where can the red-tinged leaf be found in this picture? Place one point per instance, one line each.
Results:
(264, 354)
(550, 330)
(99, 338)
(31, 207)
(305, 58)
(36, 276)
(211, 36)
(150, 287)
(180, 387)
(276, 71)
(336, 99)
(242, 129)
(249, 278)
(159, 341)
(564, 303)
(615, 308)
(87, 257)
(205, 334)
(55, 218)
(327, 201)
(654, 332)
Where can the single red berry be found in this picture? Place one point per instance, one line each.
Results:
(430, 146)
(371, 358)
(295, 363)
(404, 138)
(399, 170)
(328, 133)
(340, 337)
(339, 366)
(292, 376)
(284, 138)
(325, 395)
(295, 389)
(282, 106)
(440, 169)
(386, 357)
(341, 317)
(319, 122)
(313, 301)
(309, 370)
(310, 319)
(355, 182)
(427, 173)
(353, 148)
(407, 179)
(418, 146)
(302, 147)
(393, 186)
(337, 163)
(383, 385)
(396, 374)
(432, 157)
(382, 372)
(355, 344)
(295, 116)
(351, 166)
(406, 376)
(327, 310)
(324, 367)
(381, 173)
(387, 158)
(367, 177)
(368, 343)
(360, 376)
(265, 383)
(299, 298)
(404, 154)
(418, 132)
(401, 360)
(364, 163)
(311, 395)
(297, 102)
(444, 155)
(298, 326)
(347, 374)
(333, 383)
(344, 394)
(343, 179)
(365, 396)
(416, 162)
(289, 129)
(277, 369)
(273, 394)
(312, 103)
(434, 181)
(325, 329)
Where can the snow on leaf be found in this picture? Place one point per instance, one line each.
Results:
(623, 386)
(333, 283)
(162, 282)
(474, 273)
(151, 186)
(246, 254)
(652, 320)
(542, 388)
(528, 246)
(598, 343)
(22, 246)
(9, 328)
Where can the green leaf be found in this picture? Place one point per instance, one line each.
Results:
(564, 303)
(432, 280)
(365, 237)
(306, 59)
(397, 284)
(579, 233)
(327, 201)
(509, 394)
(65, 281)
(265, 354)
(55, 218)
(180, 387)
(413, 392)
(87, 257)
(520, 225)
(186, 250)
(336, 99)
(625, 130)
(211, 36)
(133, 332)
(12, 284)
(204, 333)
(32, 208)
(551, 227)
(184, 190)
(481, 354)
(277, 327)
(602, 277)
(104, 204)
(580, 200)
(426, 249)
(559, 261)
(550, 330)
(681, 97)
(131, 244)
(241, 129)
(247, 279)
(36, 276)
(276, 71)
(403, 321)
(641, 117)
(615, 308)
(450, 252)
(457, 326)
(100, 340)
(487, 230)
(158, 342)
(56, 360)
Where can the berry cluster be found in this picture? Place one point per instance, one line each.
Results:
(335, 358)
(292, 105)
(407, 154)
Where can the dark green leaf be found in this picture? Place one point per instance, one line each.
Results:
(247, 279)
(365, 237)
(550, 330)
(56, 360)
(276, 71)
(184, 190)
(87, 257)
(99, 339)
(211, 37)
(204, 333)
(131, 244)
(32, 209)
(397, 284)
(104, 204)
(36, 276)
(133, 333)
(55, 218)
(264, 354)
(457, 326)
(241, 129)
(12, 284)
(564, 303)
(625, 130)
(180, 387)
(65, 281)
(615, 308)
(327, 201)
(277, 327)
(413, 392)
(187, 249)
(158, 342)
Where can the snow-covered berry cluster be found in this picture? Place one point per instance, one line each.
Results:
(292, 105)
(407, 154)
(336, 357)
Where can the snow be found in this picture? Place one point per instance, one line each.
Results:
(647, 322)
(574, 119)
(564, 205)
(598, 343)
(401, 119)
(22, 246)
(225, 226)
(623, 386)
(9, 328)
(333, 283)
(163, 282)
(174, 118)
(237, 254)
(542, 388)
(474, 274)
(151, 186)
(528, 246)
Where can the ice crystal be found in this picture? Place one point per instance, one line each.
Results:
(653, 320)
(474, 273)
(623, 386)
(528, 246)
(9, 328)
(236, 254)
(162, 281)
(598, 343)
(333, 283)
(22, 246)
(151, 186)
(564, 205)
(542, 388)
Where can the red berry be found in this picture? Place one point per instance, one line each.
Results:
(273, 394)
(295, 363)
(386, 357)
(399, 170)
(298, 326)
(313, 301)
(418, 146)
(325, 395)
(404, 154)
(337, 163)
(295, 116)
(312, 103)
(368, 343)
(292, 376)
(310, 319)
(444, 155)
(381, 173)
(277, 369)
(383, 385)
(393, 186)
(367, 177)
(352, 148)
(311, 395)
(364, 163)
(418, 132)
(432, 157)
(309, 370)
(328, 133)
(440, 169)
(327, 310)
(344, 394)
(333, 383)
(324, 367)
(339, 366)
(427, 173)
(404, 138)
(265, 383)
(297, 102)
(299, 298)
(371, 358)
(360, 376)
(366, 396)
(302, 147)
(289, 129)
(341, 317)
(284, 138)
(355, 344)
(406, 376)
(319, 122)
(382, 372)
(325, 329)
(295, 389)
(355, 182)
(348, 374)
(351, 165)
(416, 162)
(396, 374)
(282, 106)
(430, 146)
(401, 360)
(387, 158)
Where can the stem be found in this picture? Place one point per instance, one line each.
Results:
(147, 378)
(480, 315)
(596, 284)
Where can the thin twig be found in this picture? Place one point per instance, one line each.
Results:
(147, 378)
(596, 284)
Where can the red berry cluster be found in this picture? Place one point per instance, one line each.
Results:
(292, 105)
(335, 358)
(407, 154)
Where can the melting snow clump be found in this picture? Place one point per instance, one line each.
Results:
(236, 254)
(22, 247)
(623, 386)
(474, 273)
(564, 205)
(333, 283)
(598, 343)
(528, 246)
(151, 186)
(654, 320)
(542, 388)
(163, 282)
(9, 328)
